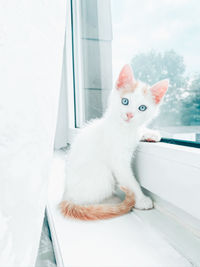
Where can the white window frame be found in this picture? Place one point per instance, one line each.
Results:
(69, 67)
(73, 73)
(74, 65)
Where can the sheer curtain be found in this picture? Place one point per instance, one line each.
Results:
(31, 50)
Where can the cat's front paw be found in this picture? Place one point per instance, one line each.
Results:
(151, 136)
(144, 203)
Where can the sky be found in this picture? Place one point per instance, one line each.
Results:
(142, 25)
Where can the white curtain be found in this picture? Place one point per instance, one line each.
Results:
(31, 50)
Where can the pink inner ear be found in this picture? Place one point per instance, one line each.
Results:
(159, 89)
(125, 77)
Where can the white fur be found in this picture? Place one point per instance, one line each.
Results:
(101, 154)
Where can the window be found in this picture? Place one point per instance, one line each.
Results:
(159, 39)
(92, 31)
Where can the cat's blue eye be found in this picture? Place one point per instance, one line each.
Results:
(125, 101)
(142, 108)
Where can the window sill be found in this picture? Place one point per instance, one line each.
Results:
(171, 172)
(129, 240)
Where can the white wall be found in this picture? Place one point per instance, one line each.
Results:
(31, 49)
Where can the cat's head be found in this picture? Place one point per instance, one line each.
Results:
(135, 102)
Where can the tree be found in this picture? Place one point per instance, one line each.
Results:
(191, 103)
(154, 66)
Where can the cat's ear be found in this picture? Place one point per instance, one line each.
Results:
(159, 89)
(126, 78)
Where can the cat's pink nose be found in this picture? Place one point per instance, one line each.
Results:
(129, 115)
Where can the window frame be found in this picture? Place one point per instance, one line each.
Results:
(73, 75)
(68, 61)
(77, 63)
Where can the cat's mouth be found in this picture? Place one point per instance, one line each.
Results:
(128, 119)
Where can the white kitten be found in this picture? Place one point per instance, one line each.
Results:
(101, 154)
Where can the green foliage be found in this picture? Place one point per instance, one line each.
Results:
(154, 66)
(191, 103)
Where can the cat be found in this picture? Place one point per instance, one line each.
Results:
(101, 154)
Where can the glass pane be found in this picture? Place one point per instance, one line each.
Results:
(160, 39)
(96, 56)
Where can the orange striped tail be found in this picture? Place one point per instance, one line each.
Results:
(101, 211)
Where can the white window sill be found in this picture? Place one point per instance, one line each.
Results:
(171, 172)
(128, 240)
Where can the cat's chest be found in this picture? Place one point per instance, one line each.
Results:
(123, 144)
